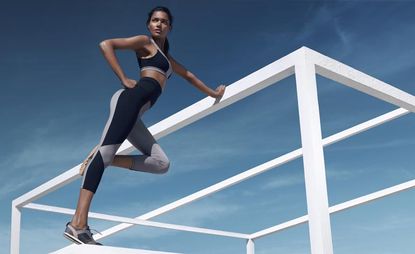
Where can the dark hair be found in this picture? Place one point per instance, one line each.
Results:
(167, 11)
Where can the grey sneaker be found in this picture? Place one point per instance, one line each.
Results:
(79, 236)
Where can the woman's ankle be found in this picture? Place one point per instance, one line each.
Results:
(78, 226)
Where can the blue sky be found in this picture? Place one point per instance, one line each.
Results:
(56, 88)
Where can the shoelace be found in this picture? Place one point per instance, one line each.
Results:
(95, 231)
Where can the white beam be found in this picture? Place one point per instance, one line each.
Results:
(373, 196)
(250, 247)
(280, 227)
(338, 208)
(346, 75)
(48, 187)
(313, 158)
(254, 82)
(15, 229)
(365, 126)
(136, 221)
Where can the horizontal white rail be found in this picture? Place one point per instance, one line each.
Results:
(373, 196)
(365, 126)
(346, 75)
(280, 227)
(339, 207)
(136, 221)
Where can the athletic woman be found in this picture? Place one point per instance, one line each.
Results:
(126, 108)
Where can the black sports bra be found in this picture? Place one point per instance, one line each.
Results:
(159, 62)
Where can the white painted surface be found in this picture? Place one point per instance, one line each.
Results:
(313, 157)
(250, 247)
(94, 249)
(15, 230)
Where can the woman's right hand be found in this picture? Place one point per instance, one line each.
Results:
(129, 83)
(219, 91)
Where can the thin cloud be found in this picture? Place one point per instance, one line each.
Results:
(283, 182)
(386, 144)
(391, 223)
(319, 18)
(41, 159)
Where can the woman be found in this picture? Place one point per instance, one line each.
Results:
(127, 107)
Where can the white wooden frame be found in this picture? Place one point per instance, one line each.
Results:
(305, 64)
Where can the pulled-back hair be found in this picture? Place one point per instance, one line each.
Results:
(167, 11)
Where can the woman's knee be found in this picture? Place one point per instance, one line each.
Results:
(108, 153)
(161, 157)
(163, 165)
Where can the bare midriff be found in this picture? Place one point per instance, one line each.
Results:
(155, 75)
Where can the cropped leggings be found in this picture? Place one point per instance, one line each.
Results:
(126, 108)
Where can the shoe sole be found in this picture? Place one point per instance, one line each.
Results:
(72, 238)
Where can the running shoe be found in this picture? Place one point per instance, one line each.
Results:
(79, 236)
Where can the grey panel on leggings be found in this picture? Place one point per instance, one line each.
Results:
(154, 159)
(125, 107)
(113, 103)
(108, 153)
(156, 163)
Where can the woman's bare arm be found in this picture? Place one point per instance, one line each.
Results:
(192, 79)
(109, 46)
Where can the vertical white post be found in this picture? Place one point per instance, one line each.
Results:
(15, 230)
(250, 247)
(313, 157)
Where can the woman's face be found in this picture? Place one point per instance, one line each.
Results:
(159, 25)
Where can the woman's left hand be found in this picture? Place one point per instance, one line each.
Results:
(219, 91)
(129, 83)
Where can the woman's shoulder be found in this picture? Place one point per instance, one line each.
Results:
(143, 38)
(139, 41)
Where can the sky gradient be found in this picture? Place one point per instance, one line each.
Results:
(56, 88)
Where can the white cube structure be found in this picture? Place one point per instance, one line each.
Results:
(305, 64)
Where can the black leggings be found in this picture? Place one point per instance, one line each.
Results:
(126, 107)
